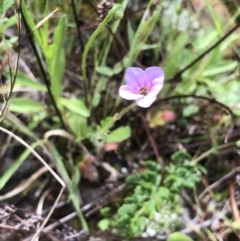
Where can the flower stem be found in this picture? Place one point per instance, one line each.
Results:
(115, 13)
(213, 150)
(118, 116)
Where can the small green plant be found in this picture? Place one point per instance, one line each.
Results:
(155, 204)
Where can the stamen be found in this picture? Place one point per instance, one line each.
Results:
(143, 91)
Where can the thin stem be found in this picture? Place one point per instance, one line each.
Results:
(118, 116)
(211, 100)
(178, 74)
(212, 151)
(4, 110)
(44, 74)
(108, 18)
(154, 145)
(77, 23)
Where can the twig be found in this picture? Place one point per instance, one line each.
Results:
(153, 144)
(211, 100)
(151, 139)
(234, 203)
(220, 182)
(179, 73)
(105, 198)
(89, 208)
(48, 216)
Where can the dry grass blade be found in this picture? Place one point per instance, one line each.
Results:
(48, 216)
(58, 132)
(13, 75)
(44, 20)
(24, 185)
(47, 167)
(35, 154)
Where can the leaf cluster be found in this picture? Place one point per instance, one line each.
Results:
(152, 204)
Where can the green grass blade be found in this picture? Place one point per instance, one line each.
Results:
(13, 168)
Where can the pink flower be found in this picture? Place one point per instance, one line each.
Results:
(142, 86)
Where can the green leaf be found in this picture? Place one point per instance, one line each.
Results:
(205, 39)
(75, 106)
(24, 81)
(29, 18)
(1, 6)
(220, 69)
(104, 224)
(177, 56)
(103, 129)
(73, 194)
(79, 126)
(137, 227)
(153, 166)
(50, 52)
(36, 119)
(238, 143)
(145, 28)
(130, 32)
(23, 105)
(5, 5)
(190, 110)
(179, 156)
(149, 46)
(129, 209)
(104, 70)
(233, 37)
(105, 123)
(45, 28)
(96, 99)
(215, 18)
(57, 59)
(120, 134)
(60, 34)
(177, 236)
(150, 207)
(16, 164)
(13, 40)
(106, 212)
(10, 22)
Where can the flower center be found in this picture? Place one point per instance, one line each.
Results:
(143, 91)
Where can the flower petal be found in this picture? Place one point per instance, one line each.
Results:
(154, 73)
(157, 85)
(146, 101)
(135, 78)
(127, 93)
